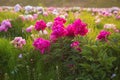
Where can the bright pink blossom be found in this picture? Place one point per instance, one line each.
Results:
(60, 19)
(80, 27)
(41, 44)
(59, 31)
(40, 25)
(103, 35)
(56, 24)
(70, 30)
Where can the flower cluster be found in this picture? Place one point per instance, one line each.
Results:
(103, 35)
(41, 44)
(58, 29)
(18, 42)
(40, 25)
(5, 25)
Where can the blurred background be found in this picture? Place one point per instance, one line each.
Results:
(63, 3)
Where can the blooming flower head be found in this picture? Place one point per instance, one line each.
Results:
(41, 44)
(80, 27)
(40, 25)
(58, 32)
(49, 24)
(18, 42)
(29, 29)
(70, 30)
(60, 19)
(103, 35)
(35, 16)
(5, 25)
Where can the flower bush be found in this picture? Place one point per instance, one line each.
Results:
(59, 47)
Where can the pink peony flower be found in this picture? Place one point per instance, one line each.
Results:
(29, 29)
(118, 17)
(49, 24)
(41, 44)
(18, 42)
(75, 45)
(60, 19)
(59, 31)
(40, 25)
(56, 24)
(35, 16)
(103, 35)
(70, 30)
(80, 27)
(3, 28)
(5, 25)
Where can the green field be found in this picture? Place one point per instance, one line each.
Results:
(61, 3)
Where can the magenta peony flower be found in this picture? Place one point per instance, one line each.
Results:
(103, 35)
(40, 25)
(80, 27)
(56, 24)
(59, 31)
(18, 42)
(75, 44)
(41, 44)
(60, 19)
(70, 30)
